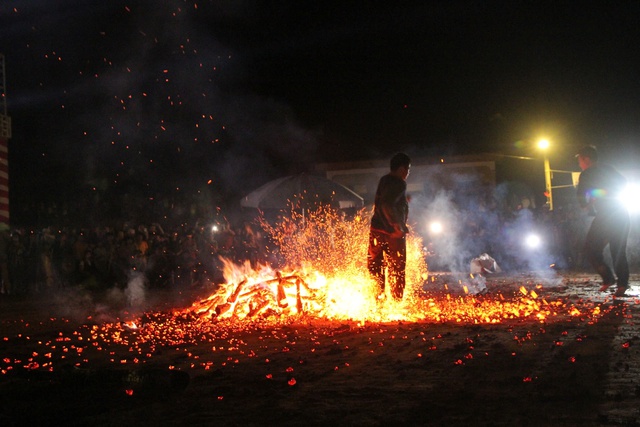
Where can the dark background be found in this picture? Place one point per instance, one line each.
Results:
(159, 101)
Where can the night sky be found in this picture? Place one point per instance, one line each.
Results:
(152, 97)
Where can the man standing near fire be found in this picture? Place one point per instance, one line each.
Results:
(599, 190)
(387, 236)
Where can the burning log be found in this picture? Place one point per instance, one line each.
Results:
(223, 308)
(298, 298)
(253, 299)
(235, 294)
(259, 308)
(282, 296)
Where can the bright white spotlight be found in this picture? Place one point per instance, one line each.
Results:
(631, 198)
(436, 227)
(533, 241)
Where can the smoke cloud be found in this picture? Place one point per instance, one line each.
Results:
(476, 220)
(148, 99)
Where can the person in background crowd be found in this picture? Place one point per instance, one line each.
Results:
(47, 275)
(248, 247)
(387, 236)
(18, 262)
(5, 237)
(142, 246)
(599, 190)
(227, 241)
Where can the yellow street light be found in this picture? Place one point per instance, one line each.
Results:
(544, 144)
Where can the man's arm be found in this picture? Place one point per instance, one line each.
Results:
(581, 190)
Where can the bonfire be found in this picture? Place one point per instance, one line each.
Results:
(322, 274)
(320, 279)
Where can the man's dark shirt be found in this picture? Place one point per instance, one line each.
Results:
(391, 208)
(601, 185)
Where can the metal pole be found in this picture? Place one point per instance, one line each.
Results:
(547, 182)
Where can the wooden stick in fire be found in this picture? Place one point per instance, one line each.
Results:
(223, 308)
(298, 298)
(282, 297)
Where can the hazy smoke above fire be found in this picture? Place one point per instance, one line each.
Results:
(475, 219)
(155, 103)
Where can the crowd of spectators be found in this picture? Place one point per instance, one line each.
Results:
(102, 257)
(178, 256)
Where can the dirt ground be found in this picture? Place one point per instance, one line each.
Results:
(58, 368)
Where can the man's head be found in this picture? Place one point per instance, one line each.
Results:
(400, 165)
(587, 156)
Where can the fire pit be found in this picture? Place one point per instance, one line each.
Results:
(269, 336)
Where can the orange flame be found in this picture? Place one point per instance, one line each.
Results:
(326, 277)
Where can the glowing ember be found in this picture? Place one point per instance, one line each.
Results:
(336, 293)
(327, 278)
(326, 275)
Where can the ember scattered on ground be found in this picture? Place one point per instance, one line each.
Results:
(73, 359)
